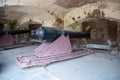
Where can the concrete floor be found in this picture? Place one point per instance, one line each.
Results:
(98, 66)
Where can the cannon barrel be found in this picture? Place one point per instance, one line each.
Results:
(14, 32)
(49, 33)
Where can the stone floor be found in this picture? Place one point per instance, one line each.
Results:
(98, 66)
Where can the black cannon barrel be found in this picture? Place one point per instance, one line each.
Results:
(14, 32)
(49, 33)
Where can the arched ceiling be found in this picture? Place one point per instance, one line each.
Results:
(50, 10)
(110, 10)
(57, 6)
(48, 3)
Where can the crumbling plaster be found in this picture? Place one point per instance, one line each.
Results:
(23, 14)
(35, 3)
(111, 11)
(46, 11)
(36, 10)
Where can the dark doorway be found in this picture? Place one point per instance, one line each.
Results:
(1, 26)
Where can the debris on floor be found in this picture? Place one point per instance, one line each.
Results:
(48, 53)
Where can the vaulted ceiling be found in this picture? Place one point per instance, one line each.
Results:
(50, 11)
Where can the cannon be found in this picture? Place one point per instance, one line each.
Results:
(58, 50)
(50, 52)
(49, 33)
(14, 32)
